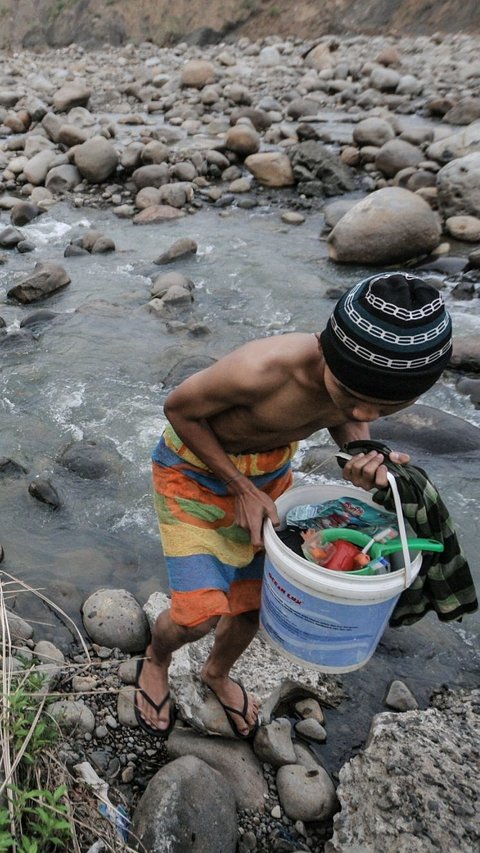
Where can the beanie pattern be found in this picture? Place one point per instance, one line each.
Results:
(388, 337)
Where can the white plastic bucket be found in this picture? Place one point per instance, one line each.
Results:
(330, 621)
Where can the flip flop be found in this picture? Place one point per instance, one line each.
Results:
(229, 712)
(141, 722)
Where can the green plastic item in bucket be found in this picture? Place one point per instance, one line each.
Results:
(377, 549)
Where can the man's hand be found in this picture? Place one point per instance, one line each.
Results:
(367, 470)
(251, 508)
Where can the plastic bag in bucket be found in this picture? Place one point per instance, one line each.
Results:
(329, 621)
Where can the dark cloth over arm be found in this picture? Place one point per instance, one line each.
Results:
(444, 583)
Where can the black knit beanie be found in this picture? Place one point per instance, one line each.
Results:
(389, 337)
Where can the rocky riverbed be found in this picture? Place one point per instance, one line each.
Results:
(380, 139)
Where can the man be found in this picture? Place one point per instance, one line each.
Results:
(225, 458)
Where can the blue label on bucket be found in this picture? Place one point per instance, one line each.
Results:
(318, 631)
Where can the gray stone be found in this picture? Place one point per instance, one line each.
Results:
(71, 95)
(38, 166)
(114, 618)
(61, 179)
(184, 247)
(24, 212)
(395, 155)
(400, 698)
(48, 652)
(72, 716)
(311, 730)
(163, 282)
(10, 237)
(273, 743)
(126, 707)
(90, 459)
(373, 131)
(458, 184)
(314, 165)
(391, 224)
(96, 159)
(306, 794)
(232, 758)
(19, 629)
(186, 807)
(46, 279)
(44, 491)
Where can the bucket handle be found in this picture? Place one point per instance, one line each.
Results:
(401, 521)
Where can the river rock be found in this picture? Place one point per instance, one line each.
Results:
(162, 283)
(400, 698)
(45, 280)
(73, 717)
(182, 248)
(154, 175)
(466, 355)
(306, 794)
(20, 630)
(458, 185)
(273, 743)
(197, 73)
(61, 179)
(438, 748)
(465, 228)
(384, 79)
(318, 171)
(389, 225)
(311, 730)
(373, 131)
(90, 459)
(24, 212)
(71, 95)
(243, 139)
(259, 118)
(114, 618)
(96, 159)
(157, 213)
(395, 155)
(321, 56)
(38, 166)
(45, 492)
(176, 194)
(456, 145)
(272, 169)
(233, 759)
(186, 807)
(10, 237)
(466, 111)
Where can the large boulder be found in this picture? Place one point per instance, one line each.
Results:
(96, 159)
(61, 179)
(71, 95)
(187, 808)
(389, 225)
(243, 139)
(45, 280)
(197, 73)
(395, 155)
(456, 145)
(373, 131)
(318, 171)
(458, 184)
(271, 168)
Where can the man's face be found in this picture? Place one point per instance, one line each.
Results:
(357, 407)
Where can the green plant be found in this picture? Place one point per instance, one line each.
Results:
(42, 818)
(274, 12)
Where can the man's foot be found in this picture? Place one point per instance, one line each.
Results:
(241, 708)
(153, 709)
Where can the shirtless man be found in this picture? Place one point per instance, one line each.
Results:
(387, 341)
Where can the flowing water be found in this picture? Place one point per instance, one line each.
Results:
(99, 369)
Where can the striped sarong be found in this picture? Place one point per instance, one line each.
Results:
(213, 569)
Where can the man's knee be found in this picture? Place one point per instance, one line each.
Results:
(189, 634)
(250, 616)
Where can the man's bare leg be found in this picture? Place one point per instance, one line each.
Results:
(167, 637)
(232, 636)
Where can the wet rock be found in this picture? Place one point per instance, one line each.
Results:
(157, 213)
(24, 212)
(459, 186)
(10, 468)
(162, 283)
(311, 730)
(306, 794)
(71, 95)
(154, 175)
(114, 618)
(189, 807)
(466, 355)
(400, 698)
(72, 251)
(466, 111)
(471, 387)
(422, 428)
(292, 217)
(233, 759)
(272, 169)
(177, 194)
(96, 159)
(391, 224)
(45, 492)
(456, 145)
(10, 237)
(310, 709)
(91, 460)
(182, 248)
(19, 629)
(184, 368)
(38, 166)
(259, 118)
(318, 171)
(45, 280)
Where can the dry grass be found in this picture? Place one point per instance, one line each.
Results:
(80, 803)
